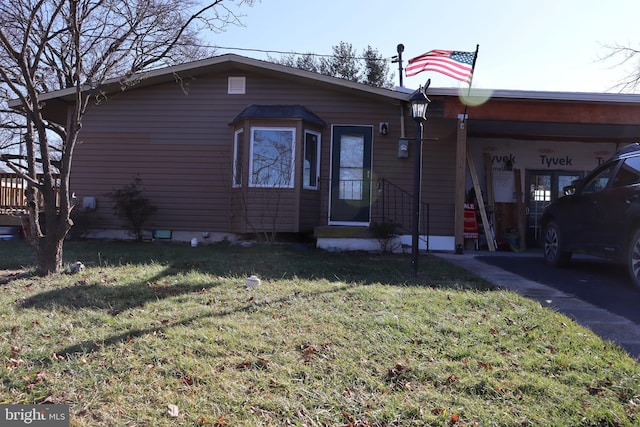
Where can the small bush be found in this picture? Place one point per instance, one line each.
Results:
(132, 206)
(385, 232)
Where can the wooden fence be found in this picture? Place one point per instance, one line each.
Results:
(12, 197)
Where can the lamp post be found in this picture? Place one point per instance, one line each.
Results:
(419, 103)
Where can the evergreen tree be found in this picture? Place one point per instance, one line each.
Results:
(369, 68)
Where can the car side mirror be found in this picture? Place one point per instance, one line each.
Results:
(569, 190)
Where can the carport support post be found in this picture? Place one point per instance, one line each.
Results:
(461, 183)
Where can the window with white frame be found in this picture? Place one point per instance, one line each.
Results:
(311, 160)
(238, 157)
(272, 157)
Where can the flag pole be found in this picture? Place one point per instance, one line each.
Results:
(473, 68)
(398, 58)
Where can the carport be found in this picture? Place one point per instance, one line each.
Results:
(525, 146)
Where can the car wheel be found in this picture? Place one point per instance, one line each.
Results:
(633, 258)
(554, 254)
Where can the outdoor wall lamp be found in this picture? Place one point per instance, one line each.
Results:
(419, 104)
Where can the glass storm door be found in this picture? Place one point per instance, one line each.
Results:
(538, 196)
(543, 187)
(350, 175)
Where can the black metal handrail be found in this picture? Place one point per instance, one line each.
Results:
(390, 203)
(395, 205)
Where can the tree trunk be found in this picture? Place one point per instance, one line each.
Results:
(47, 238)
(49, 254)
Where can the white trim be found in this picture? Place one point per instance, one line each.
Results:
(292, 176)
(235, 184)
(318, 154)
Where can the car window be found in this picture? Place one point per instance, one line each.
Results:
(629, 173)
(599, 181)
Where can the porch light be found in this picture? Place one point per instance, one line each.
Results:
(419, 104)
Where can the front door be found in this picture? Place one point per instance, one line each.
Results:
(350, 175)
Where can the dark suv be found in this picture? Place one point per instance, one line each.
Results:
(599, 215)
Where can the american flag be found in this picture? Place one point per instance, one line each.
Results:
(458, 65)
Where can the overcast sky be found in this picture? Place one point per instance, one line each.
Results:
(546, 45)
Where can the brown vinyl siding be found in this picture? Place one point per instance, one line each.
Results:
(267, 209)
(438, 170)
(185, 185)
(310, 214)
(179, 140)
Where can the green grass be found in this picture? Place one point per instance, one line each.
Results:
(326, 340)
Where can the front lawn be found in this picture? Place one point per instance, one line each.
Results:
(167, 335)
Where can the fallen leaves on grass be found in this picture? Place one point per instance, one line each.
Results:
(399, 369)
(220, 421)
(308, 351)
(14, 363)
(485, 365)
(353, 421)
(400, 375)
(15, 351)
(258, 363)
(438, 411)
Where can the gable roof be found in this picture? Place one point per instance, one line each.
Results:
(217, 64)
(59, 99)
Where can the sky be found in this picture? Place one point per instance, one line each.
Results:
(540, 45)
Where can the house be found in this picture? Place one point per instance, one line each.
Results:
(231, 146)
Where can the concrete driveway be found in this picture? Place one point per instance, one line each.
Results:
(593, 292)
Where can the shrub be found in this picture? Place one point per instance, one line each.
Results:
(385, 232)
(132, 206)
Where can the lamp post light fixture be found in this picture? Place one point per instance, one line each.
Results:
(419, 104)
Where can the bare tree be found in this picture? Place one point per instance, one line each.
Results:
(48, 45)
(629, 57)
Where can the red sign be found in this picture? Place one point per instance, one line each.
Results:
(470, 221)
